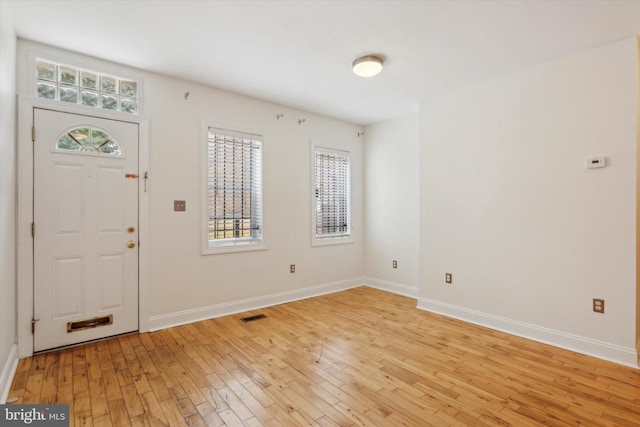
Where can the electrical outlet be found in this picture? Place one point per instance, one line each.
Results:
(179, 205)
(598, 305)
(292, 268)
(395, 264)
(448, 278)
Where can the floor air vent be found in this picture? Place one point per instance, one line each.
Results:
(252, 318)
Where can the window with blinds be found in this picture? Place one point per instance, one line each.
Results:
(234, 188)
(332, 204)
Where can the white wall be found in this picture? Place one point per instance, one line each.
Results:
(392, 204)
(509, 209)
(7, 199)
(186, 286)
(181, 279)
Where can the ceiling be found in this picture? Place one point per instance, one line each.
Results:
(299, 53)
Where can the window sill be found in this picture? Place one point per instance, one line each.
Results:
(233, 248)
(330, 241)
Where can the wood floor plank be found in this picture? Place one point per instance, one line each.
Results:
(111, 384)
(102, 421)
(230, 418)
(118, 412)
(33, 388)
(132, 401)
(141, 421)
(195, 420)
(235, 403)
(82, 419)
(159, 389)
(99, 406)
(172, 413)
(162, 368)
(209, 415)
(153, 410)
(254, 406)
(180, 397)
(361, 357)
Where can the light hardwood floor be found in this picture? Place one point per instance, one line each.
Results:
(358, 357)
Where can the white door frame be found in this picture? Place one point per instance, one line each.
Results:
(25, 265)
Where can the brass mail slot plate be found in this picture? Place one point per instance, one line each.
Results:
(90, 323)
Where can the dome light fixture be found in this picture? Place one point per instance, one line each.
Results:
(367, 66)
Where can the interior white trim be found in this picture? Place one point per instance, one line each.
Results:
(396, 288)
(144, 236)
(7, 374)
(602, 350)
(26, 104)
(169, 320)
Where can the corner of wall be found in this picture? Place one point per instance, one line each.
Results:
(638, 199)
(7, 373)
(393, 287)
(8, 207)
(392, 191)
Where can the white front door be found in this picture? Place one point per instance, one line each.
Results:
(85, 228)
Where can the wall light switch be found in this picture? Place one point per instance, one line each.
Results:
(595, 162)
(179, 205)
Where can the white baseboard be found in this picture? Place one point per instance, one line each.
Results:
(8, 372)
(164, 321)
(396, 288)
(602, 350)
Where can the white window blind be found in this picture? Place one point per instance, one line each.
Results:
(332, 210)
(234, 182)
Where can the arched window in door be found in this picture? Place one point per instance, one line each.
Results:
(89, 140)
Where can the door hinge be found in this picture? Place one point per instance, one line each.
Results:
(33, 325)
(33, 229)
(33, 133)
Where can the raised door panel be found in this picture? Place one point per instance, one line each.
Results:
(67, 289)
(68, 197)
(111, 279)
(111, 205)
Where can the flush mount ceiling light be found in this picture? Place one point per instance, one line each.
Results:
(367, 66)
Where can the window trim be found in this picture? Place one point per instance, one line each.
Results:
(228, 246)
(329, 240)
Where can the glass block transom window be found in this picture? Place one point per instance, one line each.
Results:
(332, 193)
(234, 183)
(77, 86)
(89, 140)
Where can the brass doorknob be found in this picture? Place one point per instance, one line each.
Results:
(131, 244)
